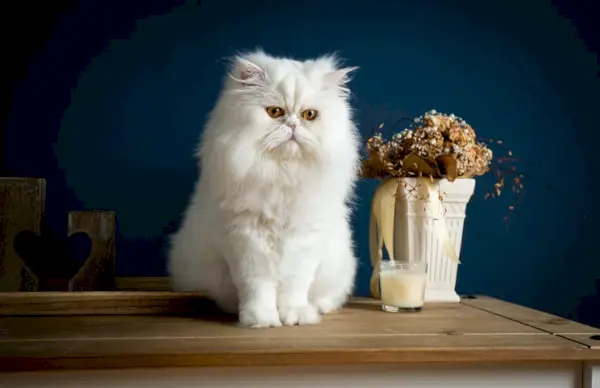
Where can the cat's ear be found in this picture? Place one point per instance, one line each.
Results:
(340, 77)
(247, 72)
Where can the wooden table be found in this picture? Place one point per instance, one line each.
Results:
(52, 340)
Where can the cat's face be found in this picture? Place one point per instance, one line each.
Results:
(288, 109)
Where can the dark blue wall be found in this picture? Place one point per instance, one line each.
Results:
(111, 109)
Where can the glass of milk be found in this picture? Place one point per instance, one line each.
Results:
(402, 285)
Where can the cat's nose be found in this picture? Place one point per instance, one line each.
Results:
(292, 126)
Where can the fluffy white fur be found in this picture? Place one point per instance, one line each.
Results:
(267, 232)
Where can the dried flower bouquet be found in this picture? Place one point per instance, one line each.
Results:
(436, 146)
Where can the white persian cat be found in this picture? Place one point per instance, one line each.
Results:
(267, 232)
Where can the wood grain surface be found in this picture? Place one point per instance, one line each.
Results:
(21, 210)
(98, 303)
(142, 284)
(98, 271)
(528, 316)
(119, 335)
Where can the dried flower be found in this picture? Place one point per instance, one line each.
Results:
(432, 135)
(438, 145)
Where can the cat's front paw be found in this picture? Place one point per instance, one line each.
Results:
(299, 315)
(257, 317)
(327, 305)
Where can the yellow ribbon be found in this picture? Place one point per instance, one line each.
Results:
(381, 228)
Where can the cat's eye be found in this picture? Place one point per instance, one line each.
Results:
(274, 111)
(309, 114)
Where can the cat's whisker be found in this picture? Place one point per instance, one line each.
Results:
(274, 139)
(270, 142)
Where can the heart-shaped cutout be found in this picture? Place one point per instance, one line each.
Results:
(52, 259)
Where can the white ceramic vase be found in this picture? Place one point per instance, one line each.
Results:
(417, 238)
